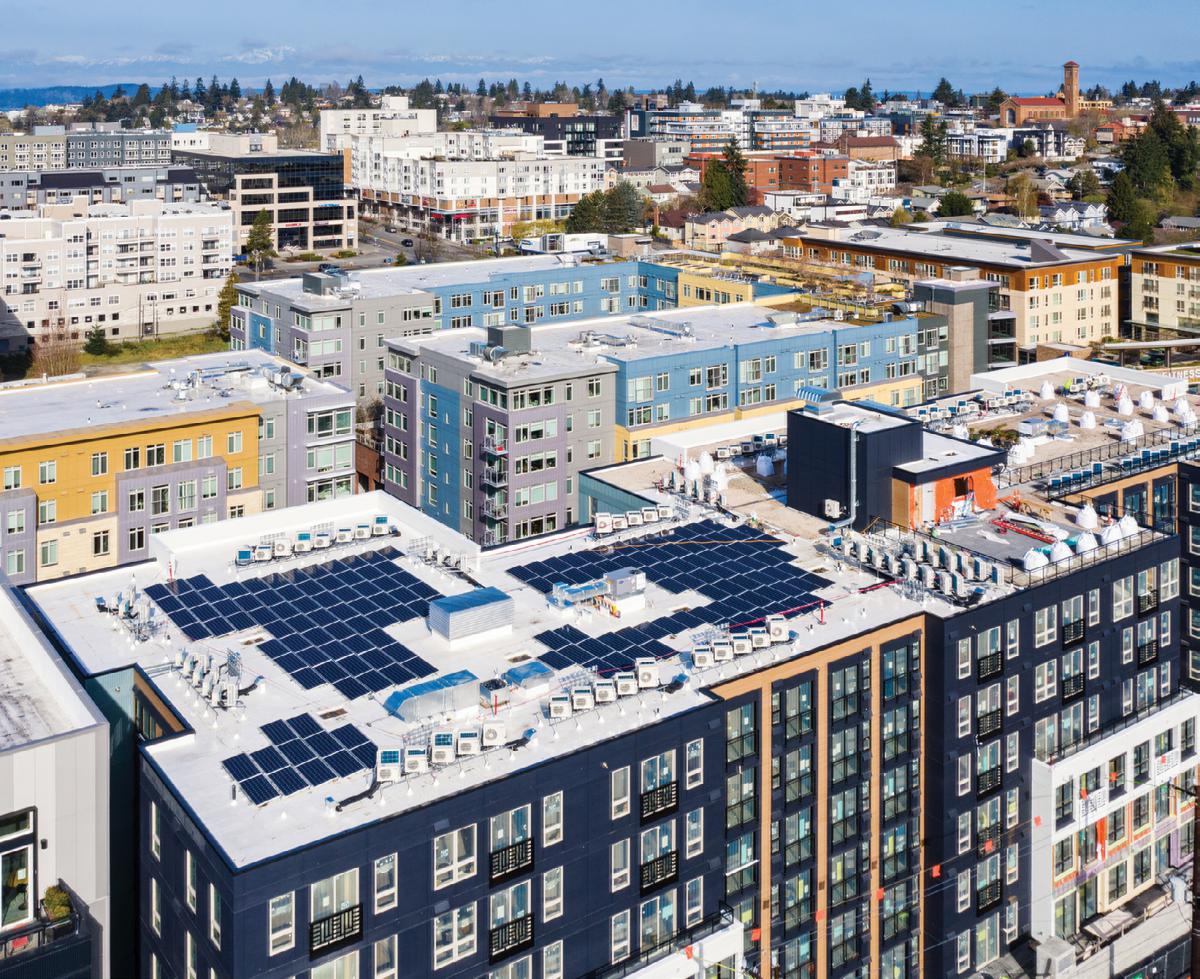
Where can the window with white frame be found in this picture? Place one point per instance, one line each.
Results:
(191, 957)
(619, 861)
(385, 958)
(620, 943)
(693, 902)
(1012, 695)
(385, 883)
(552, 894)
(552, 961)
(510, 904)
(189, 879)
(333, 894)
(964, 774)
(552, 819)
(620, 793)
(281, 917)
(454, 857)
(695, 763)
(1045, 625)
(454, 935)
(155, 832)
(1045, 680)
(155, 906)
(964, 716)
(1122, 600)
(214, 916)
(694, 832)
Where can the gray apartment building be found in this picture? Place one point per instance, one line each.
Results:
(105, 144)
(30, 189)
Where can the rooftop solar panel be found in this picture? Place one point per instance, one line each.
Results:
(287, 781)
(258, 790)
(344, 763)
(240, 767)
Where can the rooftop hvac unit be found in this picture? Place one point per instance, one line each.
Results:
(619, 522)
(722, 652)
(627, 684)
(647, 673)
(322, 539)
(833, 509)
(197, 672)
(664, 511)
(603, 523)
(560, 706)
(702, 656)
(345, 535)
(634, 518)
(380, 527)
(206, 686)
(582, 698)
(759, 638)
(908, 568)
(878, 558)
(863, 550)
(891, 564)
(927, 575)
(946, 558)
(282, 547)
(214, 694)
(304, 542)
(415, 760)
(847, 546)
(230, 693)
(606, 691)
(362, 531)
(982, 569)
(945, 582)
(494, 734)
(467, 743)
(442, 747)
(931, 555)
(180, 656)
(649, 514)
(387, 765)
(777, 628)
(741, 643)
(263, 552)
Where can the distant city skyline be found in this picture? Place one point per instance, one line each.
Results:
(777, 45)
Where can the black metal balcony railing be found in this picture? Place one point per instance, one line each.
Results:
(1072, 632)
(989, 723)
(987, 897)
(1147, 652)
(61, 946)
(511, 860)
(989, 666)
(660, 801)
(335, 930)
(988, 782)
(988, 840)
(1147, 602)
(511, 937)
(659, 871)
(1072, 687)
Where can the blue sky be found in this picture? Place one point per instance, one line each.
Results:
(796, 44)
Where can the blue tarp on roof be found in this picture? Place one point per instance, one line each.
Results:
(392, 704)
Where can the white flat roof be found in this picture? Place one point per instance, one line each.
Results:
(192, 763)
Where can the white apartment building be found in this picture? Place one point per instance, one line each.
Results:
(392, 118)
(139, 269)
(466, 185)
(818, 105)
(988, 145)
(865, 179)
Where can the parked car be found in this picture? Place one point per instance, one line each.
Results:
(406, 242)
(391, 229)
(329, 268)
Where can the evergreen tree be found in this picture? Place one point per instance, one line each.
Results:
(269, 93)
(481, 89)
(955, 204)
(1122, 199)
(623, 209)
(185, 93)
(716, 191)
(589, 214)
(235, 90)
(259, 245)
(866, 98)
(944, 93)
(96, 343)
(1084, 184)
(142, 96)
(527, 92)
(226, 300)
(735, 166)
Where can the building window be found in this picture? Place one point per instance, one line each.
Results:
(282, 923)
(552, 819)
(385, 958)
(48, 553)
(552, 894)
(214, 916)
(454, 857)
(620, 792)
(333, 894)
(620, 937)
(100, 543)
(552, 961)
(99, 463)
(695, 763)
(155, 906)
(189, 877)
(190, 956)
(47, 472)
(233, 442)
(385, 883)
(619, 862)
(155, 836)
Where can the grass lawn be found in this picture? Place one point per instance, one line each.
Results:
(166, 348)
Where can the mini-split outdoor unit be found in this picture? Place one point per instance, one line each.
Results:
(702, 656)
(606, 691)
(582, 698)
(387, 765)
(494, 734)
(647, 673)
(627, 684)
(416, 760)
(560, 706)
(442, 747)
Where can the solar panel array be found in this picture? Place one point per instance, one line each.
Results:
(301, 753)
(744, 573)
(327, 621)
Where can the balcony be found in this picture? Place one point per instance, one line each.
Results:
(511, 937)
(659, 802)
(1072, 632)
(989, 840)
(659, 871)
(494, 476)
(1147, 601)
(494, 510)
(60, 946)
(988, 782)
(989, 666)
(988, 724)
(511, 860)
(494, 446)
(987, 897)
(335, 931)
(1072, 687)
(1147, 652)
